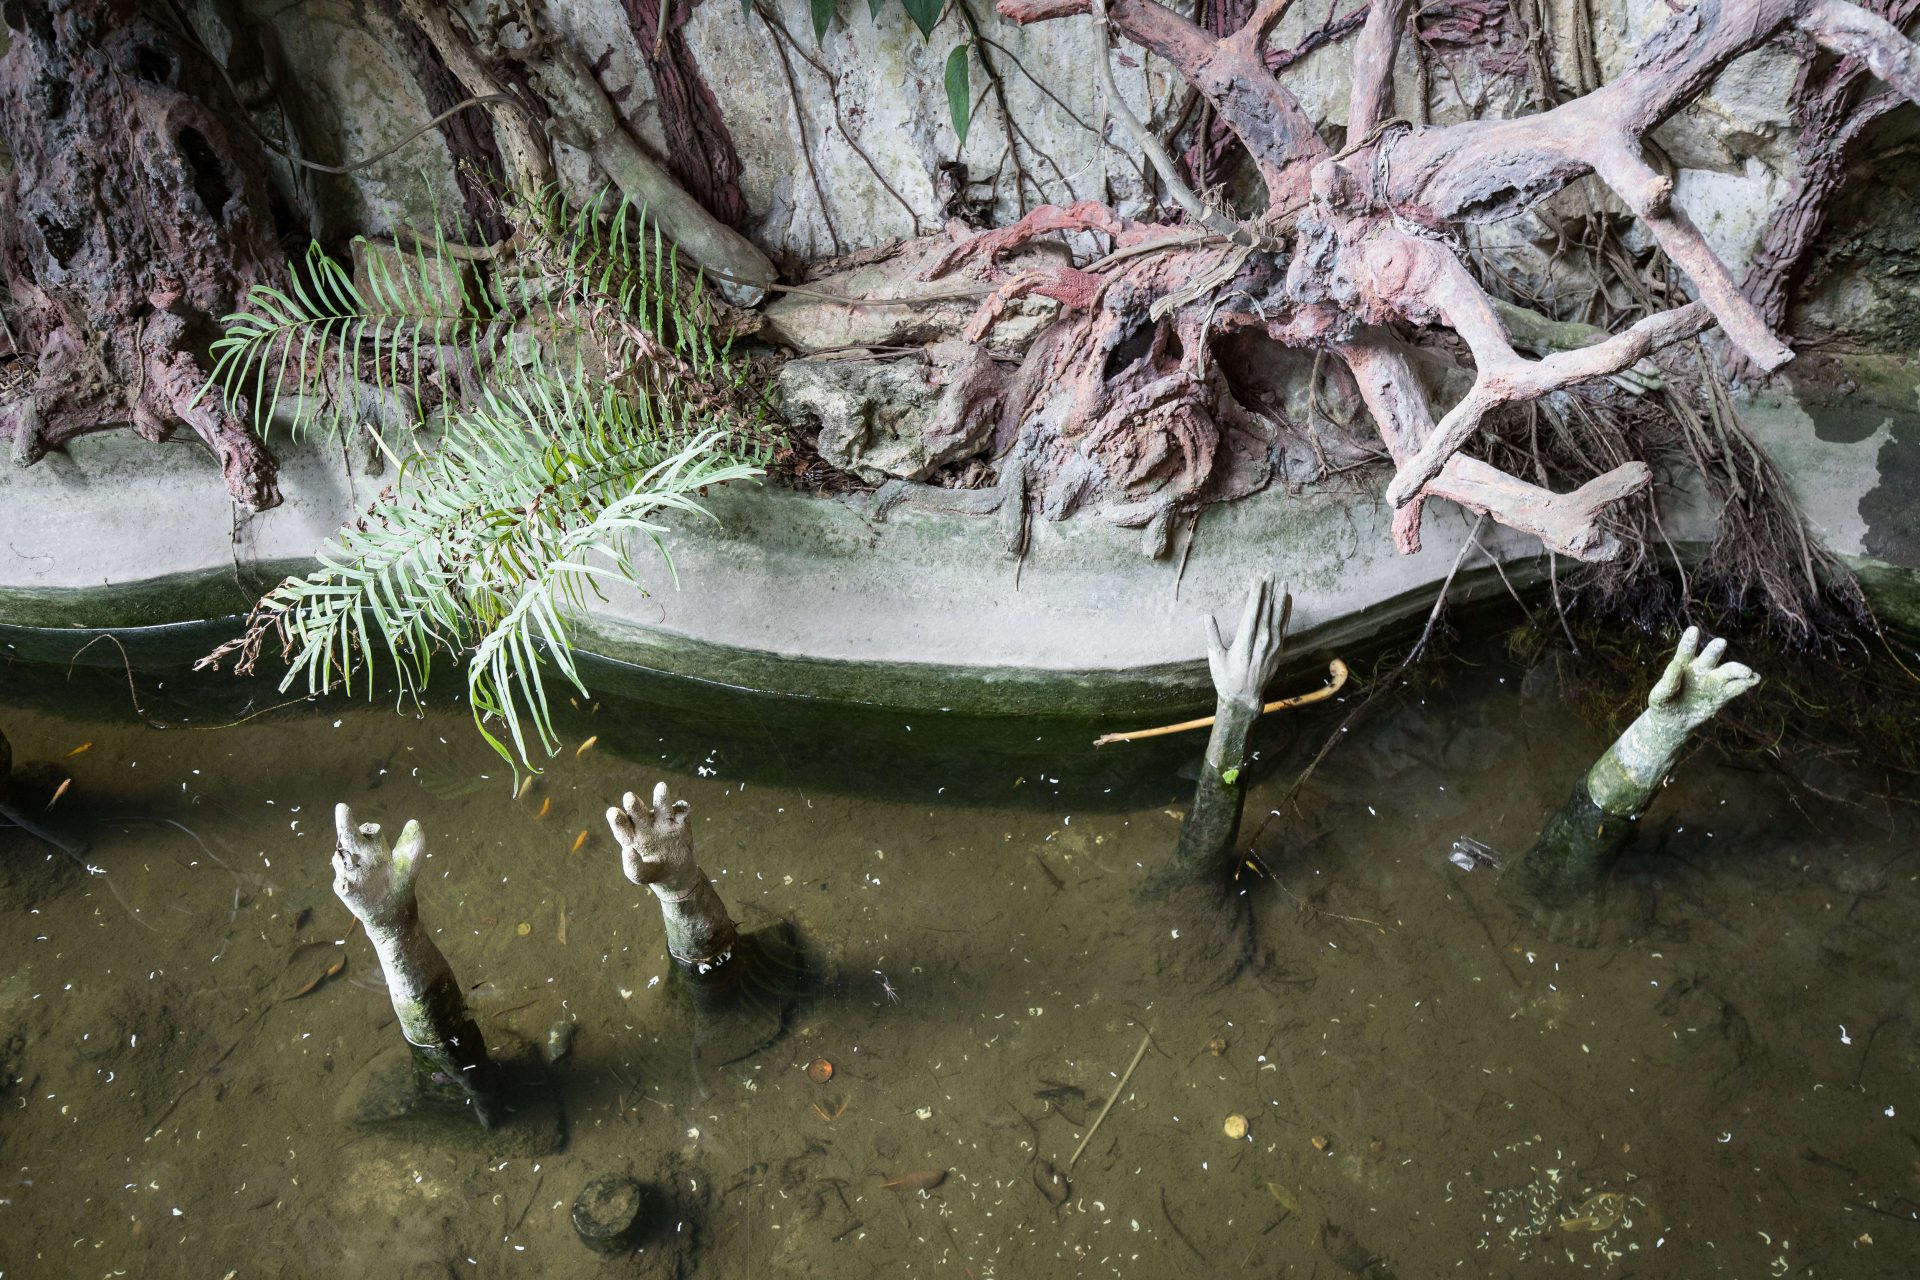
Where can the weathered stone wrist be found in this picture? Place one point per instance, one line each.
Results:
(1624, 779)
(1232, 724)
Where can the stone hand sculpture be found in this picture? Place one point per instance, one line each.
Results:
(376, 884)
(656, 850)
(1241, 671)
(1580, 842)
(1695, 685)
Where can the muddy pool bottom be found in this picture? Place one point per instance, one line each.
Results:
(1712, 1072)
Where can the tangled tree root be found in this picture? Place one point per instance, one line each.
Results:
(134, 219)
(1133, 400)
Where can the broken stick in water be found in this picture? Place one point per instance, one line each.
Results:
(1118, 1089)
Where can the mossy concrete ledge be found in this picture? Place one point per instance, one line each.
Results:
(812, 598)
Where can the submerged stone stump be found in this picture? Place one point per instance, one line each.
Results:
(610, 1214)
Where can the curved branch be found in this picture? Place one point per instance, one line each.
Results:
(523, 150)
(1567, 523)
(1853, 32)
(1371, 100)
(1486, 170)
(1230, 74)
(585, 117)
(1423, 280)
(1157, 156)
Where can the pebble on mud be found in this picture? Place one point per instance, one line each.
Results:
(1235, 1127)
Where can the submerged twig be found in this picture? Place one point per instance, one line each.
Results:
(1118, 1089)
(1426, 634)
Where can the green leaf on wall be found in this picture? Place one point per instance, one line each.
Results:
(959, 99)
(925, 13)
(822, 15)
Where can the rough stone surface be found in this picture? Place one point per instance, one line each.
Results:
(354, 85)
(781, 594)
(812, 321)
(879, 419)
(869, 414)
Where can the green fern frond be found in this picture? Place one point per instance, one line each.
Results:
(304, 346)
(531, 497)
(508, 520)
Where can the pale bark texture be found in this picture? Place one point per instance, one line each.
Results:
(1836, 100)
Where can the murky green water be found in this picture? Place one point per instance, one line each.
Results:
(1717, 1078)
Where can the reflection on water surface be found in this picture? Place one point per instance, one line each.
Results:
(1713, 1075)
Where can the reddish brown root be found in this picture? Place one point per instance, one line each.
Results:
(135, 220)
(1355, 246)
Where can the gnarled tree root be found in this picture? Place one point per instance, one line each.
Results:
(134, 218)
(1123, 404)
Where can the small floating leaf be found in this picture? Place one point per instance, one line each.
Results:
(919, 1180)
(77, 750)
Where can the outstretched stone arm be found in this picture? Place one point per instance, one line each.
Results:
(1695, 685)
(656, 850)
(376, 884)
(1581, 841)
(1241, 671)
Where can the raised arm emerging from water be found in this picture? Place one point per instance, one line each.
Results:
(656, 850)
(450, 1057)
(1580, 842)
